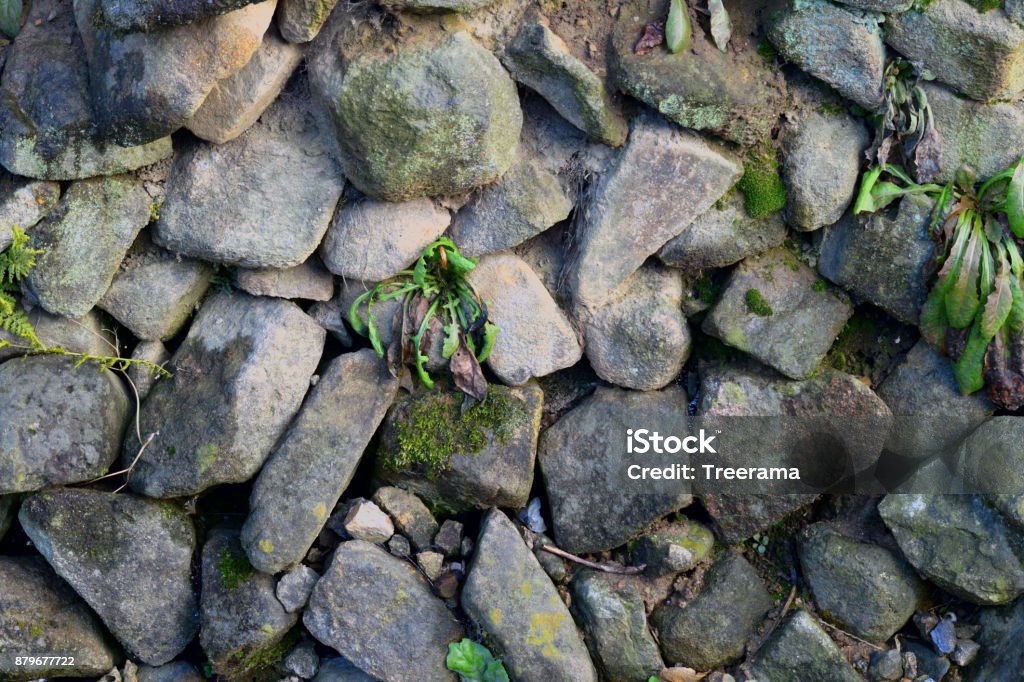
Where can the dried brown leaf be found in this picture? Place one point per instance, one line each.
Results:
(466, 372)
(653, 36)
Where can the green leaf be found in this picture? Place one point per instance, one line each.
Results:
(467, 657)
(10, 17)
(933, 322)
(969, 368)
(865, 200)
(677, 27)
(1016, 319)
(494, 672)
(884, 193)
(999, 301)
(987, 276)
(1014, 206)
(721, 26)
(962, 300)
(451, 340)
(490, 334)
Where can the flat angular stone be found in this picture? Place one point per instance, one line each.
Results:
(583, 460)
(365, 521)
(411, 516)
(84, 240)
(23, 203)
(130, 559)
(315, 460)
(680, 175)
(239, 377)
(300, 20)
(510, 597)
(803, 318)
(149, 15)
(801, 651)
(236, 102)
(263, 200)
(295, 586)
(379, 613)
(879, 5)
(58, 424)
(309, 280)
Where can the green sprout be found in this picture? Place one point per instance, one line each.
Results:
(474, 662)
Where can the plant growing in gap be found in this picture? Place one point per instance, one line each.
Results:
(436, 298)
(474, 662)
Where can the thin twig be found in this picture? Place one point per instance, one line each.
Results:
(782, 614)
(606, 568)
(854, 637)
(128, 469)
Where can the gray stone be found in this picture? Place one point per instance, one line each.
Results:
(681, 175)
(315, 460)
(1014, 10)
(58, 424)
(175, 67)
(86, 334)
(509, 596)
(929, 664)
(340, 670)
(239, 377)
(374, 240)
(722, 235)
(431, 562)
(992, 462)
(178, 671)
(23, 203)
(411, 516)
(379, 613)
(536, 338)
(521, 204)
(881, 259)
(40, 613)
(302, 661)
(154, 293)
(435, 5)
(879, 5)
(263, 200)
(331, 316)
(148, 15)
(300, 20)
(958, 542)
(922, 388)
(129, 557)
(641, 340)
(978, 53)
(241, 618)
(295, 586)
(236, 102)
(613, 617)
(449, 538)
(541, 61)
(804, 317)
(84, 240)
(673, 548)
(47, 127)
(399, 546)
(801, 651)
(583, 461)
(986, 137)
(492, 447)
(886, 666)
(822, 166)
(150, 351)
(1000, 635)
(735, 94)
(365, 521)
(712, 629)
(836, 45)
(308, 280)
(865, 589)
(438, 116)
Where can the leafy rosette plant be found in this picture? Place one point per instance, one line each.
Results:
(474, 662)
(435, 298)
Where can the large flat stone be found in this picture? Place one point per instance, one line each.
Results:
(801, 651)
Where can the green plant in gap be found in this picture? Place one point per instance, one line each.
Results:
(474, 662)
(677, 27)
(436, 298)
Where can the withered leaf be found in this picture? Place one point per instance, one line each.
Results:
(1004, 370)
(466, 372)
(653, 36)
(928, 155)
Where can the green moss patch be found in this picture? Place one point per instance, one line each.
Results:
(234, 569)
(757, 304)
(763, 191)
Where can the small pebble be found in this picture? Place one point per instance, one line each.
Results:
(431, 562)
(295, 586)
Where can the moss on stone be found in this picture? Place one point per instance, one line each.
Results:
(757, 304)
(234, 569)
(763, 191)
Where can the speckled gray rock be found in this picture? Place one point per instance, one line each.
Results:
(682, 175)
(57, 424)
(673, 548)
(801, 651)
(309, 280)
(373, 240)
(39, 612)
(822, 166)
(340, 670)
(536, 338)
(712, 629)
(295, 586)
(879, 5)
(46, 122)
(236, 102)
(316, 459)
(804, 317)
(612, 614)
(176, 66)
(881, 259)
(140, 375)
(23, 203)
(992, 462)
(521, 204)
(85, 238)
(86, 334)
(379, 613)
(641, 339)
(510, 597)
(263, 200)
(302, 661)
(239, 377)
(300, 20)
(722, 235)
(148, 15)
(331, 316)
(583, 461)
(735, 94)
(840, 47)
(154, 293)
(1001, 632)
(865, 589)
(986, 137)
(498, 474)
(978, 53)
(177, 671)
(958, 542)
(541, 61)
(436, 5)
(241, 618)
(129, 557)
(439, 116)
(411, 516)
(365, 521)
